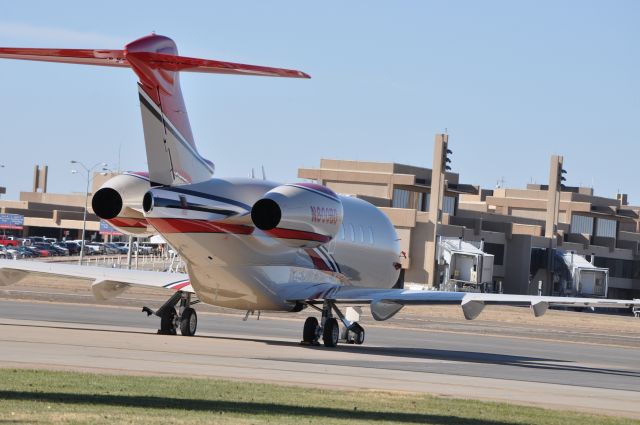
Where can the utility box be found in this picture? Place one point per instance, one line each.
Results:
(463, 266)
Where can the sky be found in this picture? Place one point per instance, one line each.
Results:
(511, 82)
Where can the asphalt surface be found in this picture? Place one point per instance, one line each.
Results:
(580, 376)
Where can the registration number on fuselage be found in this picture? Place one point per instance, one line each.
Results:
(324, 215)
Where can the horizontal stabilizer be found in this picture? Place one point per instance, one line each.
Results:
(118, 58)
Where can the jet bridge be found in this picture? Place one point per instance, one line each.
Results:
(576, 276)
(463, 266)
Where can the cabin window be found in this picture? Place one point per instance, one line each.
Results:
(360, 234)
(370, 234)
(352, 233)
(341, 234)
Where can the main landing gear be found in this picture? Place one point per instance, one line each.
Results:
(329, 328)
(185, 318)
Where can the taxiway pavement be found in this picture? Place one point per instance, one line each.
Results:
(578, 376)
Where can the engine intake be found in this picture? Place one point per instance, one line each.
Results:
(107, 203)
(266, 214)
(119, 201)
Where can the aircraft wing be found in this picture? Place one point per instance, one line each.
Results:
(385, 303)
(106, 282)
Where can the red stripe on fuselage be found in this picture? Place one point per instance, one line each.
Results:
(180, 285)
(297, 234)
(183, 225)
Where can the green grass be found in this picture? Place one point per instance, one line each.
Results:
(29, 396)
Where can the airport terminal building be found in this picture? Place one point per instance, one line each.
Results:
(526, 233)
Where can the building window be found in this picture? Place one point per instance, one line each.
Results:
(626, 269)
(581, 224)
(400, 198)
(497, 250)
(427, 201)
(449, 205)
(606, 227)
(418, 201)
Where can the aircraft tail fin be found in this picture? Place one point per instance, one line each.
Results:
(171, 151)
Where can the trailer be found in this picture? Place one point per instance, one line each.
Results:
(463, 266)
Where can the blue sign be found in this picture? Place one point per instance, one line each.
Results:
(11, 221)
(107, 229)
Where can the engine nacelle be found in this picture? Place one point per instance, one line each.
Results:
(119, 201)
(301, 215)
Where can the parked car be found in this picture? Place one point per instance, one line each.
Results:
(38, 252)
(5, 253)
(35, 239)
(73, 247)
(143, 249)
(113, 248)
(95, 248)
(21, 252)
(52, 250)
(63, 249)
(5, 241)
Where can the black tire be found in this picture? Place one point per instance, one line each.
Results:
(331, 333)
(188, 322)
(167, 322)
(358, 333)
(309, 330)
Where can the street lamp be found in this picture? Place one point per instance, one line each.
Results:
(86, 200)
(2, 166)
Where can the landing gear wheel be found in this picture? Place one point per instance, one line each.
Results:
(167, 322)
(331, 333)
(358, 334)
(309, 330)
(188, 322)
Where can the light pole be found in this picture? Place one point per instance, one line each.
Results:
(1, 166)
(86, 201)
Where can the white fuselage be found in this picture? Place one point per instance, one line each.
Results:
(233, 264)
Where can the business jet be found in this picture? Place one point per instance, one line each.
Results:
(248, 244)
